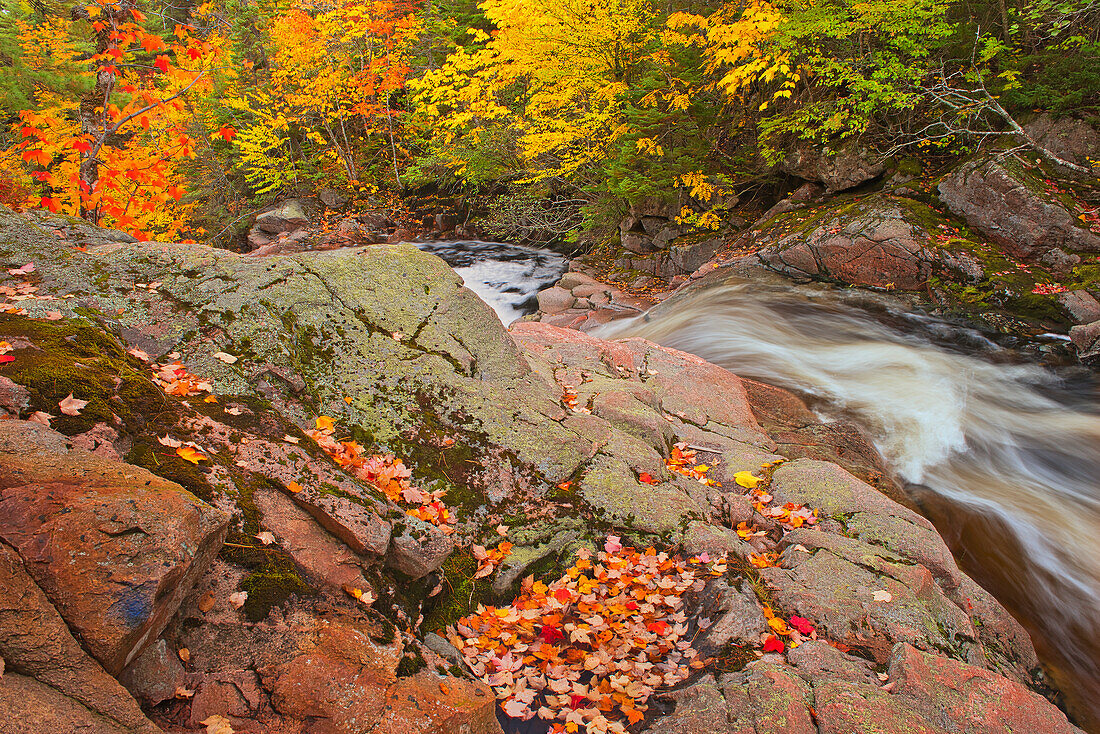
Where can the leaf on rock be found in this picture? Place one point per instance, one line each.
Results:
(170, 442)
(39, 417)
(227, 358)
(883, 596)
(773, 644)
(71, 405)
(217, 724)
(746, 479)
(238, 598)
(266, 537)
(188, 453)
(206, 602)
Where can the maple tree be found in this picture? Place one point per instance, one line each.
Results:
(108, 155)
(327, 96)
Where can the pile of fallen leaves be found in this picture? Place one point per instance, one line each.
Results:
(386, 473)
(174, 378)
(588, 650)
(790, 515)
(683, 461)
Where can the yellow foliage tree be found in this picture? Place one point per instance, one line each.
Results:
(552, 77)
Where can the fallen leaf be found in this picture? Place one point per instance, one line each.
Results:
(5, 347)
(502, 530)
(210, 399)
(187, 453)
(185, 654)
(227, 358)
(266, 537)
(182, 692)
(613, 544)
(645, 478)
(746, 479)
(773, 644)
(238, 598)
(234, 411)
(217, 724)
(324, 423)
(71, 405)
(39, 417)
(25, 270)
(293, 487)
(170, 442)
(883, 596)
(347, 400)
(291, 439)
(6, 358)
(206, 602)
(53, 316)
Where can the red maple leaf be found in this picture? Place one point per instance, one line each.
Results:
(646, 478)
(563, 595)
(550, 634)
(659, 627)
(773, 644)
(227, 133)
(802, 625)
(162, 63)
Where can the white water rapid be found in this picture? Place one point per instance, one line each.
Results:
(1011, 447)
(507, 277)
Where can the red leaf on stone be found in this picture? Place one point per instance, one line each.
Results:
(773, 644)
(646, 478)
(802, 625)
(6, 358)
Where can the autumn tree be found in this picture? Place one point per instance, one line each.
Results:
(329, 95)
(109, 154)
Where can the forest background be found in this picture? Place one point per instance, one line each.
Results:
(178, 122)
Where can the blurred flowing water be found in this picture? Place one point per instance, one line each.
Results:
(507, 277)
(1004, 456)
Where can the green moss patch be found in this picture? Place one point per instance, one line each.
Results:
(68, 357)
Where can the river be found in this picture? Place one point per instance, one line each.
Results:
(507, 277)
(1001, 453)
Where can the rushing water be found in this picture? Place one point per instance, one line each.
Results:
(507, 277)
(1004, 455)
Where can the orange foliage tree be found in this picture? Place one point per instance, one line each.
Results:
(109, 155)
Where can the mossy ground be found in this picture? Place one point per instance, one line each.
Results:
(70, 357)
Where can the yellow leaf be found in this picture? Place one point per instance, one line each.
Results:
(187, 453)
(293, 487)
(324, 423)
(210, 399)
(746, 479)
